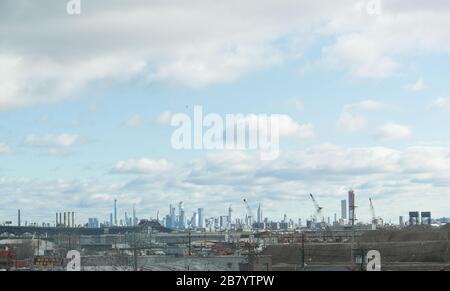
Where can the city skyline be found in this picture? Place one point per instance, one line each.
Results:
(85, 115)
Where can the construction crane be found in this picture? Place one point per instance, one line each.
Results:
(249, 213)
(328, 233)
(374, 217)
(318, 213)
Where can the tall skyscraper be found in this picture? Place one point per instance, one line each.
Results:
(194, 220)
(182, 216)
(134, 216)
(201, 218)
(115, 212)
(171, 223)
(110, 219)
(260, 218)
(344, 209)
(230, 215)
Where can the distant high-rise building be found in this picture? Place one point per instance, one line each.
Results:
(111, 219)
(194, 220)
(259, 217)
(134, 216)
(182, 217)
(344, 209)
(201, 218)
(115, 212)
(401, 220)
(93, 223)
(230, 215)
(171, 219)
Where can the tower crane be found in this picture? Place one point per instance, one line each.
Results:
(249, 213)
(318, 213)
(328, 233)
(374, 217)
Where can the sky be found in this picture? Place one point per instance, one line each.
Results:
(86, 102)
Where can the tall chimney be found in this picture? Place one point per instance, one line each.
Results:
(18, 218)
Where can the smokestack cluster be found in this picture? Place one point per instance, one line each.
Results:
(65, 219)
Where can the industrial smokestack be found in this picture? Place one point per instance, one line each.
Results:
(351, 207)
(18, 218)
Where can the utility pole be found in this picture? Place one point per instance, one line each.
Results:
(135, 251)
(190, 252)
(303, 251)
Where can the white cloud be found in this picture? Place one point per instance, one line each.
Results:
(195, 45)
(390, 176)
(135, 121)
(61, 140)
(441, 103)
(368, 105)
(4, 149)
(352, 118)
(165, 118)
(288, 127)
(417, 86)
(350, 122)
(297, 104)
(373, 45)
(142, 166)
(393, 131)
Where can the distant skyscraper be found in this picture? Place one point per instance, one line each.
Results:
(260, 218)
(401, 221)
(110, 219)
(182, 216)
(115, 212)
(230, 215)
(201, 217)
(93, 223)
(134, 216)
(344, 209)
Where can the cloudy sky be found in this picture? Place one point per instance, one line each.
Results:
(86, 102)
